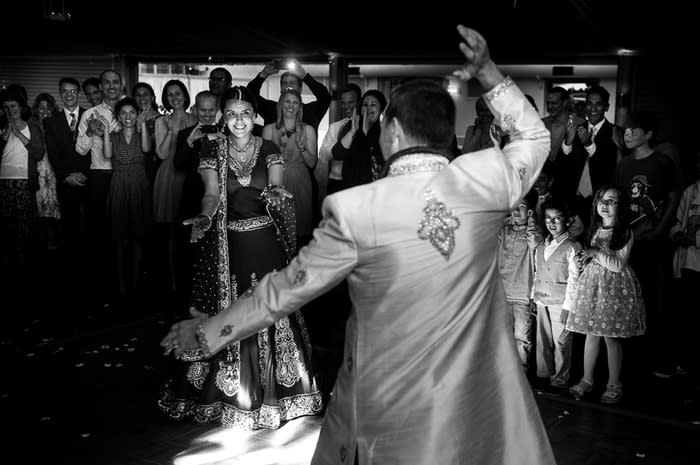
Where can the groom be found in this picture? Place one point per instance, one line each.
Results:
(430, 371)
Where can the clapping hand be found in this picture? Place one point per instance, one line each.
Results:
(96, 127)
(200, 224)
(584, 135)
(366, 123)
(170, 122)
(355, 121)
(16, 126)
(141, 121)
(571, 129)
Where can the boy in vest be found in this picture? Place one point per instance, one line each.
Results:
(554, 292)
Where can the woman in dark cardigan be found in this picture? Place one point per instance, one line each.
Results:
(358, 142)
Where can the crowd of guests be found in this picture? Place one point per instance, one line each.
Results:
(605, 245)
(122, 189)
(594, 248)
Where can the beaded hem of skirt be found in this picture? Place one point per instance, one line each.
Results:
(265, 417)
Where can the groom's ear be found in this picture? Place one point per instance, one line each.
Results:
(393, 135)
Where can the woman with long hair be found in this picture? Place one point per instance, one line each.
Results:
(46, 197)
(299, 148)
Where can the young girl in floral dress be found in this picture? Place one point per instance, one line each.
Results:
(609, 301)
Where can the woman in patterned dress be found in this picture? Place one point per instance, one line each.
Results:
(609, 302)
(145, 97)
(266, 379)
(129, 199)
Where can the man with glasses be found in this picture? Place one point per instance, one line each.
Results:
(71, 169)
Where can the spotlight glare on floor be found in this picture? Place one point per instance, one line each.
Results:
(292, 444)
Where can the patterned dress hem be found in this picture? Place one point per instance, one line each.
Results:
(265, 417)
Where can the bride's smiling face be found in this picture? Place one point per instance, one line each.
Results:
(239, 116)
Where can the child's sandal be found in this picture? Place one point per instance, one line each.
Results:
(579, 389)
(612, 394)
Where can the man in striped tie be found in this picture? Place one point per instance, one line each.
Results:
(70, 167)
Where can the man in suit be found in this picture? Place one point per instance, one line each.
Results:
(186, 159)
(431, 373)
(591, 151)
(71, 169)
(558, 105)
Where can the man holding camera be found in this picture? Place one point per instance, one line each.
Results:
(186, 159)
(291, 79)
(189, 141)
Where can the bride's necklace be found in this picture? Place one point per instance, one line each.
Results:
(245, 147)
(241, 163)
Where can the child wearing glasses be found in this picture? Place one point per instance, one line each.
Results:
(553, 291)
(517, 240)
(608, 302)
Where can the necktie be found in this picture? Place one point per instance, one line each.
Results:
(593, 130)
(72, 122)
(585, 186)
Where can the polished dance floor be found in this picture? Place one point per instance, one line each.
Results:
(81, 377)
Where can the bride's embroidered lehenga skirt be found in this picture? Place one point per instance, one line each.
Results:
(261, 381)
